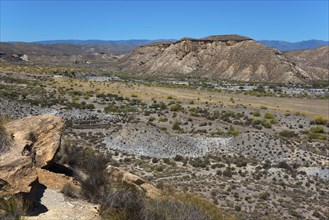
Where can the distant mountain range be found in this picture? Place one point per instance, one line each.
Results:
(132, 44)
(301, 45)
(136, 42)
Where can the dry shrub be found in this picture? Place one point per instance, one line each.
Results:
(95, 184)
(70, 190)
(202, 204)
(158, 209)
(12, 207)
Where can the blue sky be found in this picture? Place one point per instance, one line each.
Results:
(114, 20)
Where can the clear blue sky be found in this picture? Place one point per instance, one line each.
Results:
(114, 20)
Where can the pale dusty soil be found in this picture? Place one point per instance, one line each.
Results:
(60, 207)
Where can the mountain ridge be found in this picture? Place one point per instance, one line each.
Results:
(300, 45)
(279, 44)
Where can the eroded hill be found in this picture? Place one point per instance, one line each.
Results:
(230, 57)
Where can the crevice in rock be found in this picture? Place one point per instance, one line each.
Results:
(58, 168)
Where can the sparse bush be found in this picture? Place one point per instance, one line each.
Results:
(287, 133)
(273, 121)
(178, 158)
(237, 208)
(70, 191)
(176, 107)
(232, 131)
(93, 164)
(162, 119)
(228, 172)
(219, 172)
(284, 165)
(151, 118)
(126, 203)
(203, 205)
(268, 115)
(176, 125)
(316, 136)
(256, 114)
(171, 209)
(320, 121)
(13, 207)
(264, 195)
(317, 129)
(199, 162)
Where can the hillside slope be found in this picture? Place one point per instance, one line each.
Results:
(230, 57)
(318, 57)
(315, 62)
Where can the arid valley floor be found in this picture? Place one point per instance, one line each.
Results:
(257, 151)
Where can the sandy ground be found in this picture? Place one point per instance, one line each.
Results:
(60, 207)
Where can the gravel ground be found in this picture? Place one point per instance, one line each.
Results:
(60, 207)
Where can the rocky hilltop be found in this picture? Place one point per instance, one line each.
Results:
(230, 57)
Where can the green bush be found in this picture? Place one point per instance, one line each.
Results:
(320, 121)
(287, 133)
(176, 107)
(199, 162)
(162, 119)
(256, 114)
(151, 118)
(317, 129)
(176, 125)
(233, 131)
(268, 115)
(316, 136)
(273, 121)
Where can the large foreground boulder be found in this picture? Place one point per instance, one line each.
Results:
(35, 141)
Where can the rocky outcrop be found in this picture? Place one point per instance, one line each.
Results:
(230, 57)
(120, 176)
(36, 140)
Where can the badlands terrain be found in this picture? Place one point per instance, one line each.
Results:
(242, 126)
